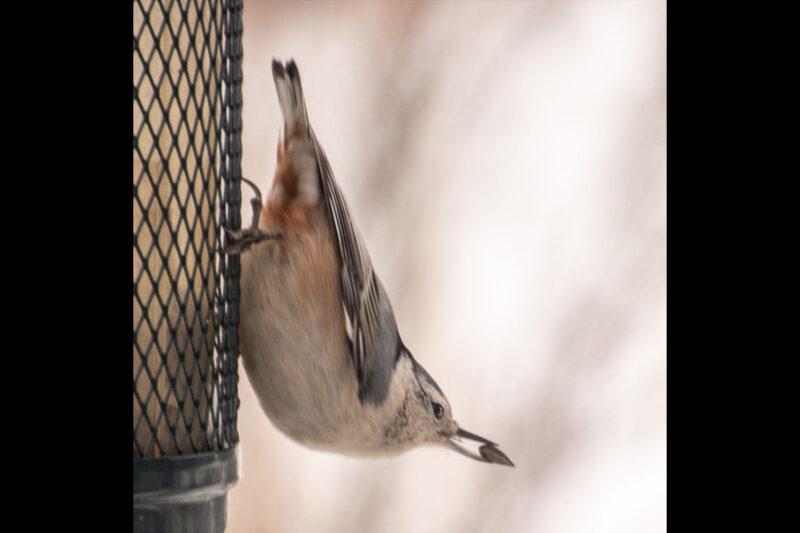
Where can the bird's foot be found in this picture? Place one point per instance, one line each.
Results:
(241, 240)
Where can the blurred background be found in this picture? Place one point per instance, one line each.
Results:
(506, 165)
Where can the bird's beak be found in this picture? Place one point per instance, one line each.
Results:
(489, 452)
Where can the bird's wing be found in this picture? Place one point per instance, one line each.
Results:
(372, 327)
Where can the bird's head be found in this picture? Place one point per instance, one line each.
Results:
(423, 416)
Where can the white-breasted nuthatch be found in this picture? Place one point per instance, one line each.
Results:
(317, 334)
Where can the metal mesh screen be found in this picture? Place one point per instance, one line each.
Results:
(186, 184)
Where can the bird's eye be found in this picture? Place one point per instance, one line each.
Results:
(438, 410)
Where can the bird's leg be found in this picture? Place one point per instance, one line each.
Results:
(241, 240)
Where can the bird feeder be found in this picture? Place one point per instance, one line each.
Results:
(187, 103)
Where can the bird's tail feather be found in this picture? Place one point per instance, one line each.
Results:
(290, 97)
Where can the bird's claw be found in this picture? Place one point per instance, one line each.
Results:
(241, 240)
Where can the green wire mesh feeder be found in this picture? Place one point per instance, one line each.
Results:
(187, 103)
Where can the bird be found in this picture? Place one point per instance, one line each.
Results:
(317, 334)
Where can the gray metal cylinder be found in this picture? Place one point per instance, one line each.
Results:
(183, 493)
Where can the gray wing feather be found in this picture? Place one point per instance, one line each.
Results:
(374, 339)
(373, 330)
